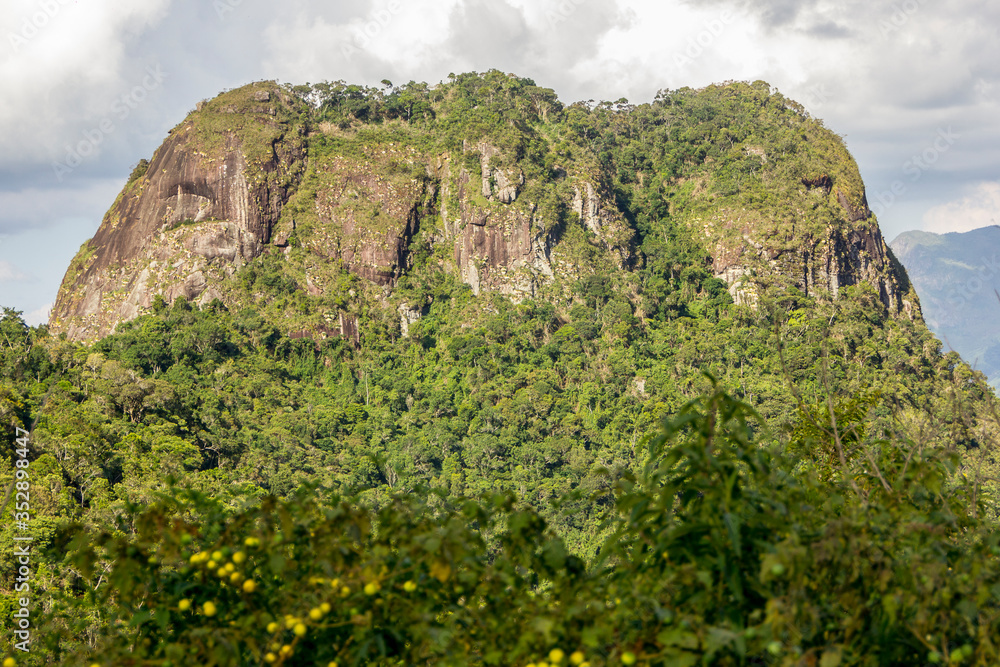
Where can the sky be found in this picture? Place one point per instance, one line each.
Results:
(92, 86)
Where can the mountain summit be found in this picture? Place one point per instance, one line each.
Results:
(507, 188)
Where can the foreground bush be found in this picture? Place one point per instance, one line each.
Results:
(724, 551)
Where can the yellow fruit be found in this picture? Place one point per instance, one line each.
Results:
(325, 607)
(217, 555)
(272, 627)
(184, 605)
(335, 583)
(236, 577)
(239, 557)
(543, 664)
(251, 542)
(209, 609)
(9, 662)
(628, 658)
(229, 568)
(576, 657)
(316, 614)
(299, 630)
(285, 651)
(212, 565)
(556, 655)
(270, 657)
(249, 586)
(333, 663)
(372, 588)
(410, 586)
(345, 591)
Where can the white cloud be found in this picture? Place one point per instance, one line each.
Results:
(311, 42)
(40, 207)
(40, 316)
(11, 274)
(979, 208)
(62, 65)
(550, 41)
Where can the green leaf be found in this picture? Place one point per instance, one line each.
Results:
(733, 528)
(678, 637)
(555, 554)
(676, 658)
(139, 618)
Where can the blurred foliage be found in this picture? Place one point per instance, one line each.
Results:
(721, 550)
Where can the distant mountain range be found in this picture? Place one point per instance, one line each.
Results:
(957, 276)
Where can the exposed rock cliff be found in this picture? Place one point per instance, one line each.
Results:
(367, 215)
(818, 264)
(826, 240)
(514, 249)
(364, 205)
(206, 203)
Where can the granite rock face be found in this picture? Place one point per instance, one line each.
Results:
(370, 208)
(367, 216)
(817, 261)
(506, 244)
(206, 204)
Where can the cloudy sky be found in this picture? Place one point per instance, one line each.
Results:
(91, 86)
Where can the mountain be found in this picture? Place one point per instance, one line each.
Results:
(258, 170)
(474, 286)
(957, 276)
(463, 375)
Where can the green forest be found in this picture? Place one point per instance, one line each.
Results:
(627, 467)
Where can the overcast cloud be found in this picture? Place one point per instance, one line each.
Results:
(111, 77)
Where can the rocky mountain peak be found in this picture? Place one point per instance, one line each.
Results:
(496, 180)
